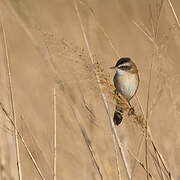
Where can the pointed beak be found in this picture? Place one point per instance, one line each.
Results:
(113, 67)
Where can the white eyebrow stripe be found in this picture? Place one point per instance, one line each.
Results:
(125, 64)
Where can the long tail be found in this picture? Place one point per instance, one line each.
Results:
(118, 113)
(119, 110)
(118, 116)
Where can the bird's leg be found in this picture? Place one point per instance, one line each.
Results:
(131, 110)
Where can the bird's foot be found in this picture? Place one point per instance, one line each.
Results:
(131, 111)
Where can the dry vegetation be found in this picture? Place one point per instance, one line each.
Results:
(57, 96)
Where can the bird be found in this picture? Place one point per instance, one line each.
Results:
(126, 82)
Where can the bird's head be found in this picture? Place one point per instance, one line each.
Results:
(125, 64)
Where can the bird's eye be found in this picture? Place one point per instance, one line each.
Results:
(124, 67)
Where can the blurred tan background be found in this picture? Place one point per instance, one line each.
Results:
(45, 47)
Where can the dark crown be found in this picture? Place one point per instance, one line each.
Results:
(122, 61)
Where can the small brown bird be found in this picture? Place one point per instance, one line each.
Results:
(126, 82)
